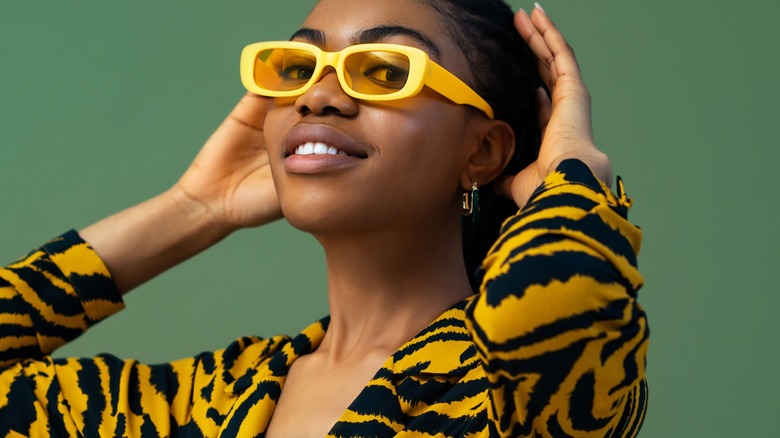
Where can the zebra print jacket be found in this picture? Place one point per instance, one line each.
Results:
(553, 345)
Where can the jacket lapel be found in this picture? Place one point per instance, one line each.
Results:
(442, 351)
(258, 390)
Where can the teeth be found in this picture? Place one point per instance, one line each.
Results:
(318, 148)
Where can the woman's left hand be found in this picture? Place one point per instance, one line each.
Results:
(565, 119)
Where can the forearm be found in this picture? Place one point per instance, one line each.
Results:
(145, 240)
(227, 187)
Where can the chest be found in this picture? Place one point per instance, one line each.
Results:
(381, 405)
(314, 397)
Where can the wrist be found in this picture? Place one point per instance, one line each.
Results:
(597, 161)
(201, 219)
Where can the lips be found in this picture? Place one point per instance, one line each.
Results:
(318, 149)
(318, 139)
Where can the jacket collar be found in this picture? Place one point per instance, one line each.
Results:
(274, 363)
(444, 348)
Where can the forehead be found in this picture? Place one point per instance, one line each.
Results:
(342, 20)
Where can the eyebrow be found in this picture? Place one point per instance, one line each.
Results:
(373, 35)
(316, 37)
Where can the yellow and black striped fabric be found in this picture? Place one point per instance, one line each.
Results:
(553, 345)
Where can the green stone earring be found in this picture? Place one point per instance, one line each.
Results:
(470, 206)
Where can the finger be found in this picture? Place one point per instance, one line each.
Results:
(544, 107)
(535, 40)
(561, 59)
(251, 110)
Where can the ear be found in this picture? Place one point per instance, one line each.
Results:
(493, 147)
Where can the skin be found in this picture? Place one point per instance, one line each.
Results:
(239, 180)
(399, 233)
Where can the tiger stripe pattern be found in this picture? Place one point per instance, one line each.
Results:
(554, 344)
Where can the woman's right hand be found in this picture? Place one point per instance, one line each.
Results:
(231, 176)
(226, 188)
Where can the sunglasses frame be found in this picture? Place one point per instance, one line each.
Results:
(422, 72)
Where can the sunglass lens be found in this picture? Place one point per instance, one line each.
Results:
(376, 72)
(283, 69)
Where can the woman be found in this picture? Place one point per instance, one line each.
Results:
(553, 344)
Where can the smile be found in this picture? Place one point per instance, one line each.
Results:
(317, 157)
(315, 147)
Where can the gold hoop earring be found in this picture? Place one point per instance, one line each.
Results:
(470, 205)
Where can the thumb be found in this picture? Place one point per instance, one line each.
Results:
(251, 110)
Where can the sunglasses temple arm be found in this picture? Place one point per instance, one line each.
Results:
(449, 86)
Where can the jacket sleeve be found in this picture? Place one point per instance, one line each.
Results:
(557, 324)
(51, 297)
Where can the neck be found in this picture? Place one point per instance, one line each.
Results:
(384, 287)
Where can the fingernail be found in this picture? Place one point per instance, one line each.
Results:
(539, 7)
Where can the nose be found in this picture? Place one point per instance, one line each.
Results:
(326, 97)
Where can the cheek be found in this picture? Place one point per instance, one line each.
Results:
(276, 125)
(429, 146)
(278, 122)
(420, 160)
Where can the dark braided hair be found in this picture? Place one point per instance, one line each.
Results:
(504, 73)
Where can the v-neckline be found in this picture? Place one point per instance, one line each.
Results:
(428, 352)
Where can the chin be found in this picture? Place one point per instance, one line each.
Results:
(328, 208)
(347, 220)
(316, 215)
(311, 223)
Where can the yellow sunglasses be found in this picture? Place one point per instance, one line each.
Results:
(377, 72)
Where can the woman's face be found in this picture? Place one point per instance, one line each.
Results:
(399, 163)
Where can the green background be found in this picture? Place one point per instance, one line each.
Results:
(104, 105)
